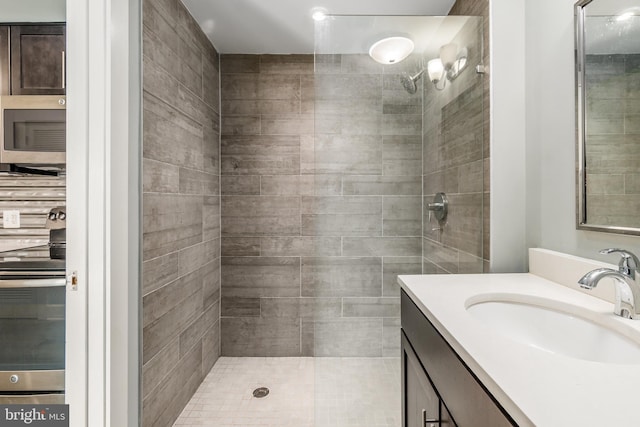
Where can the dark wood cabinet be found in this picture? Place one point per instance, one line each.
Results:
(37, 59)
(427, 358)
(5, 83)
(421, 405)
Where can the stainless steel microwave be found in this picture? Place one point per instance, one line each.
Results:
(33, 129)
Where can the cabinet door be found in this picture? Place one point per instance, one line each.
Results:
(421, 405)
(5, 88)
(446, 420)
(38, 59)
(464, 396)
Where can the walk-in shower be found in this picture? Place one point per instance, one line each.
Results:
(388, 139)
(328, 161)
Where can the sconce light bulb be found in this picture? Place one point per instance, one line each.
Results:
(435, 69)
(448, 55)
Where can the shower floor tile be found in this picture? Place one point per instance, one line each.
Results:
(304, 392)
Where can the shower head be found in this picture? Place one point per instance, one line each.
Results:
(409, 82)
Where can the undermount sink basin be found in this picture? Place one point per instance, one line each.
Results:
(563, 329)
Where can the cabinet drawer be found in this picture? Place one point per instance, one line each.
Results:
(469, 403)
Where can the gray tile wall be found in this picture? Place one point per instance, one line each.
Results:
(321, 204)
(455, 163)
(181, 209)
(480, 8)
(613, 136)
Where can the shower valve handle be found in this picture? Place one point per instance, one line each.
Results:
(439, 207)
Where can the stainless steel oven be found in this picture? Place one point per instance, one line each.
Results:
(32, 331)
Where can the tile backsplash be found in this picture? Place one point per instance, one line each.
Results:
(33, 197)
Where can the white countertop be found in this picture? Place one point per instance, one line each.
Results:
(536, 387)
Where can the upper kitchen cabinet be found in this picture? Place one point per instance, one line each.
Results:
(37, 59)
(5, 83)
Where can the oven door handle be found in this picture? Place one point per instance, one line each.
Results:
(32, 283)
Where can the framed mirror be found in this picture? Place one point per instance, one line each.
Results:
(608, 115)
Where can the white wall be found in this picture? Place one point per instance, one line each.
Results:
(32, 10)
(103, 198)
(550, 135)
(533, 185)
(508, 181)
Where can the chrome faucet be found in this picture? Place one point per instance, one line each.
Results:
(627, 281)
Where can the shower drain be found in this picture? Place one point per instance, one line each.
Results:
(260, 392)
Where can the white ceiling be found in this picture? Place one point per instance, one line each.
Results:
(356, 34)
(285, 26)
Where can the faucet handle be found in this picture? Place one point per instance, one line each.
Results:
(628, 264)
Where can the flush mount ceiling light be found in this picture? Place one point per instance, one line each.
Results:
(391, 50)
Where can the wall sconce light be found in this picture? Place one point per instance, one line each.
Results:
(435, 69)
(447, 66)
(391, 50)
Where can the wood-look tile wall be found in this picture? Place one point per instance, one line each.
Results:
(321, 205)
(613, 136)
(181, 208)
(454, 163)
(481, 8)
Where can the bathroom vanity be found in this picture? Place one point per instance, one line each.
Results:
(434, 379)
(517, 349)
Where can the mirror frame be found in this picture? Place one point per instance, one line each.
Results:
(581, 196)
